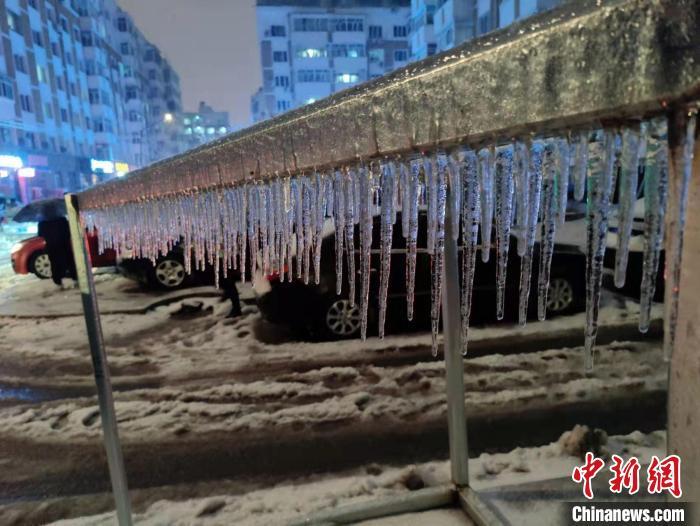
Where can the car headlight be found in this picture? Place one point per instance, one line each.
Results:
(16, 248)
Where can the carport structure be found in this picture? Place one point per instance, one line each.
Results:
(598, 64)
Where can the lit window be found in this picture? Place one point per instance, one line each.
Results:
(347, 78)
(223, 129)
(199, 130)
(188, 131)
(211, 131)
(187, 121)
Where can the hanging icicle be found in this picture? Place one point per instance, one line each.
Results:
(627, 192)
(530, 225)
(600, 177)
(388, 216)
(412, 241)
(486, 187)
(470, 233)
(504, 209)
(550, 208)
(655, 199)
(438, 189)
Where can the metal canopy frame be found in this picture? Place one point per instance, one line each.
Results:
(587, 61)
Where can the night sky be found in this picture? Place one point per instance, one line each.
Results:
(211, 44)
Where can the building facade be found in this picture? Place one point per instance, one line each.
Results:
(421, 28)
(456, 21)
(204, 125)
(310, 49)
(74, 96)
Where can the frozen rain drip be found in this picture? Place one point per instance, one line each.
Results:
(438, 188)
(627, 192)
(530, 225)
(412, 241)
(388, 216)
(600, 177)
(675, 236)
(563, 169)
(655, 199)
(365, 201)
(470, 235)
(349, 188)
(486, 187)
(581, 165)
(270, 226)
(550, 208)
(504, 209)
(521, 176)
(455, 195)
(339, 215)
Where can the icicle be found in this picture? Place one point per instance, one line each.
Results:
(455, 195)
(365, 198)
(530, 224)
(521, 176)
(431, 193)
(350, 206)
(600, 178)
(438, 189)
(388, 216)
(339, 215)
(627, 197)
(504, 210)
(563, 168)
(655, 198)
(486, 186)
(674, 251)
(581, 165)
(412, 241)
(470, 234)
(319, 220)
(405, 182)
(549, 218)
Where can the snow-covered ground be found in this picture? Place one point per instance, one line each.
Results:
(296, 499)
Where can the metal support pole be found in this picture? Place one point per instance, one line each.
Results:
(83, 267)
(454, 365)
(683, 386)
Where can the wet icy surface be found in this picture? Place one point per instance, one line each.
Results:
(520, 187)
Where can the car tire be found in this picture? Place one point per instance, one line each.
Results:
(563, 297)
(168, 274)
(40, 265)
(339, 320)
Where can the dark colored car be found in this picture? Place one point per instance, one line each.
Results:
(167, 273)
(317, 311)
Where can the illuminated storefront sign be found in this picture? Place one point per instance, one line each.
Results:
(106, 167)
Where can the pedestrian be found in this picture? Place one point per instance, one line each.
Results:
(56, 233)
(230, 292)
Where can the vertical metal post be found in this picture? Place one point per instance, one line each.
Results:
(683, 387)
(454, 365)
(100, 366)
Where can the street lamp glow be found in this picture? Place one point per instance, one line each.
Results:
(168, 118)
(11, 161)
(28, 172)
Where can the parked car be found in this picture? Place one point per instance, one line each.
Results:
(29, 256)
(314, 310)
(167, 273)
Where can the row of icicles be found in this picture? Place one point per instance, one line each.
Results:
(520, 188)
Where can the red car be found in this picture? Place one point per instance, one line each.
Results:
(29, 256)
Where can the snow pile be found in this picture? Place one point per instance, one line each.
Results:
(285, 502)
(335, 397)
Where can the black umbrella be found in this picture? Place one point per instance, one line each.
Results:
(41, 211)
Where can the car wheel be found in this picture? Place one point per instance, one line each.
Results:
(560, 296)
(169, 273)
(341, 320)
(40, 265)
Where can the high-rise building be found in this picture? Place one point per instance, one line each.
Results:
(312, 48)
(204, 125)
(74, 106)
(456, 21)
(421, 30)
